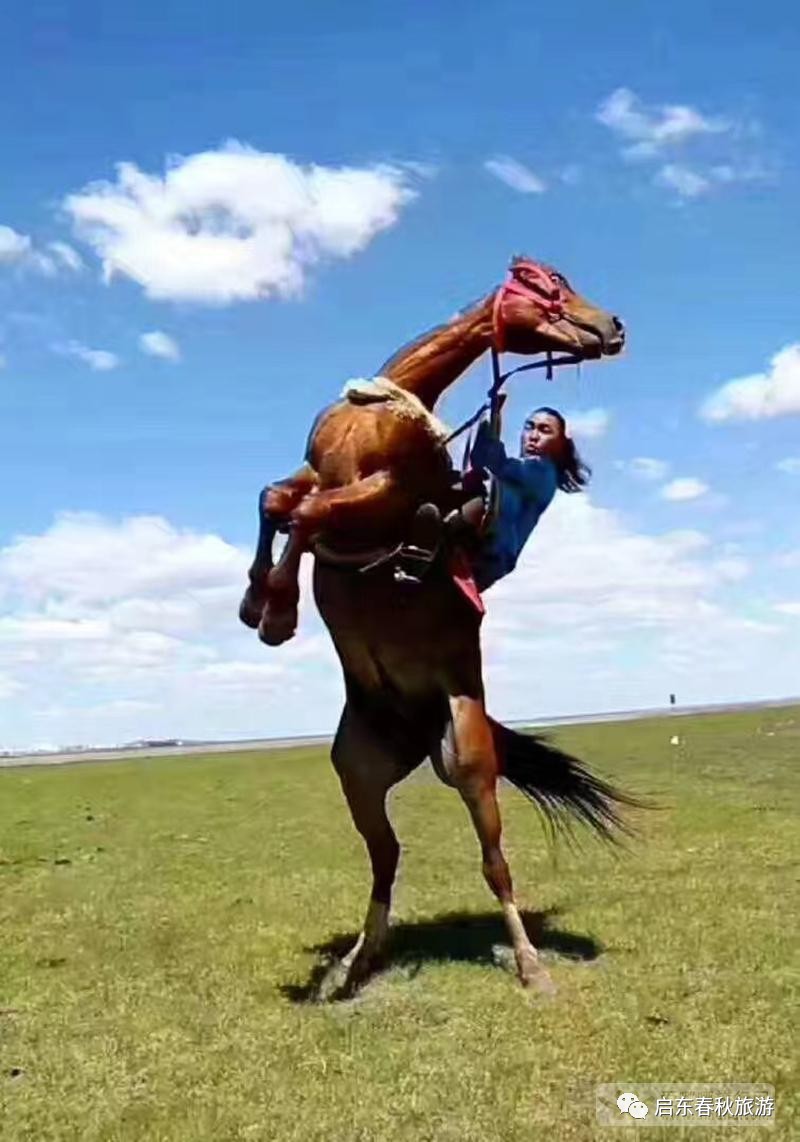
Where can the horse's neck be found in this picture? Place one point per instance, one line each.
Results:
(430, 364)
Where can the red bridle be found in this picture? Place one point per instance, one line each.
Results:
(545, 288)
(535, 283)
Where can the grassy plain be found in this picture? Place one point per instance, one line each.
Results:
(162, 922)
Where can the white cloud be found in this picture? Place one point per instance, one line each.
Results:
(130, 628)
(18, 250)
(100, 562)
(592, 423)
(157, 344)
(645, 468)
(732, 568)
(515, 174)
(43, 263)
(241, 675)
(650, 131)
(600, 616)
(66, 255)
(747, 171)
(234, 224)
(788, 608)
(761, 396)
(790, 465)
(98, 360)
(14, 247)
(684, 488)
(9, 687)
(688, 183)
(572, 174)
(585, 563)
(653, 134)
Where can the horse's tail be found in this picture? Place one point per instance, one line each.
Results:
(560, 786)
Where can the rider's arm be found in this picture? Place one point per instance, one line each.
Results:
(534, 477)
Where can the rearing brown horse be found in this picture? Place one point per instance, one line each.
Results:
(411, 655)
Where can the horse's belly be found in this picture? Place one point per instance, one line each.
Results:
(417, 638)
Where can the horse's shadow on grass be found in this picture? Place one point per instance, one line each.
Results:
(452, 937)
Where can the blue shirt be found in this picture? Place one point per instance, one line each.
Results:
(526, 489)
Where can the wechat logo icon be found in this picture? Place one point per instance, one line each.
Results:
(630, 1104)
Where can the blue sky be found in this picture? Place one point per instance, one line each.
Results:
(650, 153)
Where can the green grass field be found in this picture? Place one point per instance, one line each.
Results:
(162, 920)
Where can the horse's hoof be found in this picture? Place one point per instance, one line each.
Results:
(277, 628)
(330, 986)
(345, 978)
(249, 615)
(251, 608)
(532, 975)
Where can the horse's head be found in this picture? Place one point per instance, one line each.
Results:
(536, 310)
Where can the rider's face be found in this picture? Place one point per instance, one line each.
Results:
(542, 435)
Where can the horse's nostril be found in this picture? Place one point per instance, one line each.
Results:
(620, 328)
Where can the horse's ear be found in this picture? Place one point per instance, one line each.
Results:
(519, 262)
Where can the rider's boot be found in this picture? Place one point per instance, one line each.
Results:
(464, 525)
(422, 547)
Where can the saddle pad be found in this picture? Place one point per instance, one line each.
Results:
(465, 580)
(381, 390)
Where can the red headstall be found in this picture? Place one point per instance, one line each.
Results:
(538, 284)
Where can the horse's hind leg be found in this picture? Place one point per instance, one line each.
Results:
(368, 766)
(469, 759)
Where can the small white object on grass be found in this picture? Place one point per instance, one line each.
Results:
(674, 740)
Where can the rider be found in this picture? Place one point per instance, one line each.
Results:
(548, 460)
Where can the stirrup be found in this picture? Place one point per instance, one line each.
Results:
(413, 563)
(418, 553)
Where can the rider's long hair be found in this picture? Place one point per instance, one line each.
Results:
(573, 472)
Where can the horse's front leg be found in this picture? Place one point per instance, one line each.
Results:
(275, 505)
(279, 615)
(281, 498)
(356, 507)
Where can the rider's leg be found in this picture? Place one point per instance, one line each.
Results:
(465, 524)
(462, 525)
